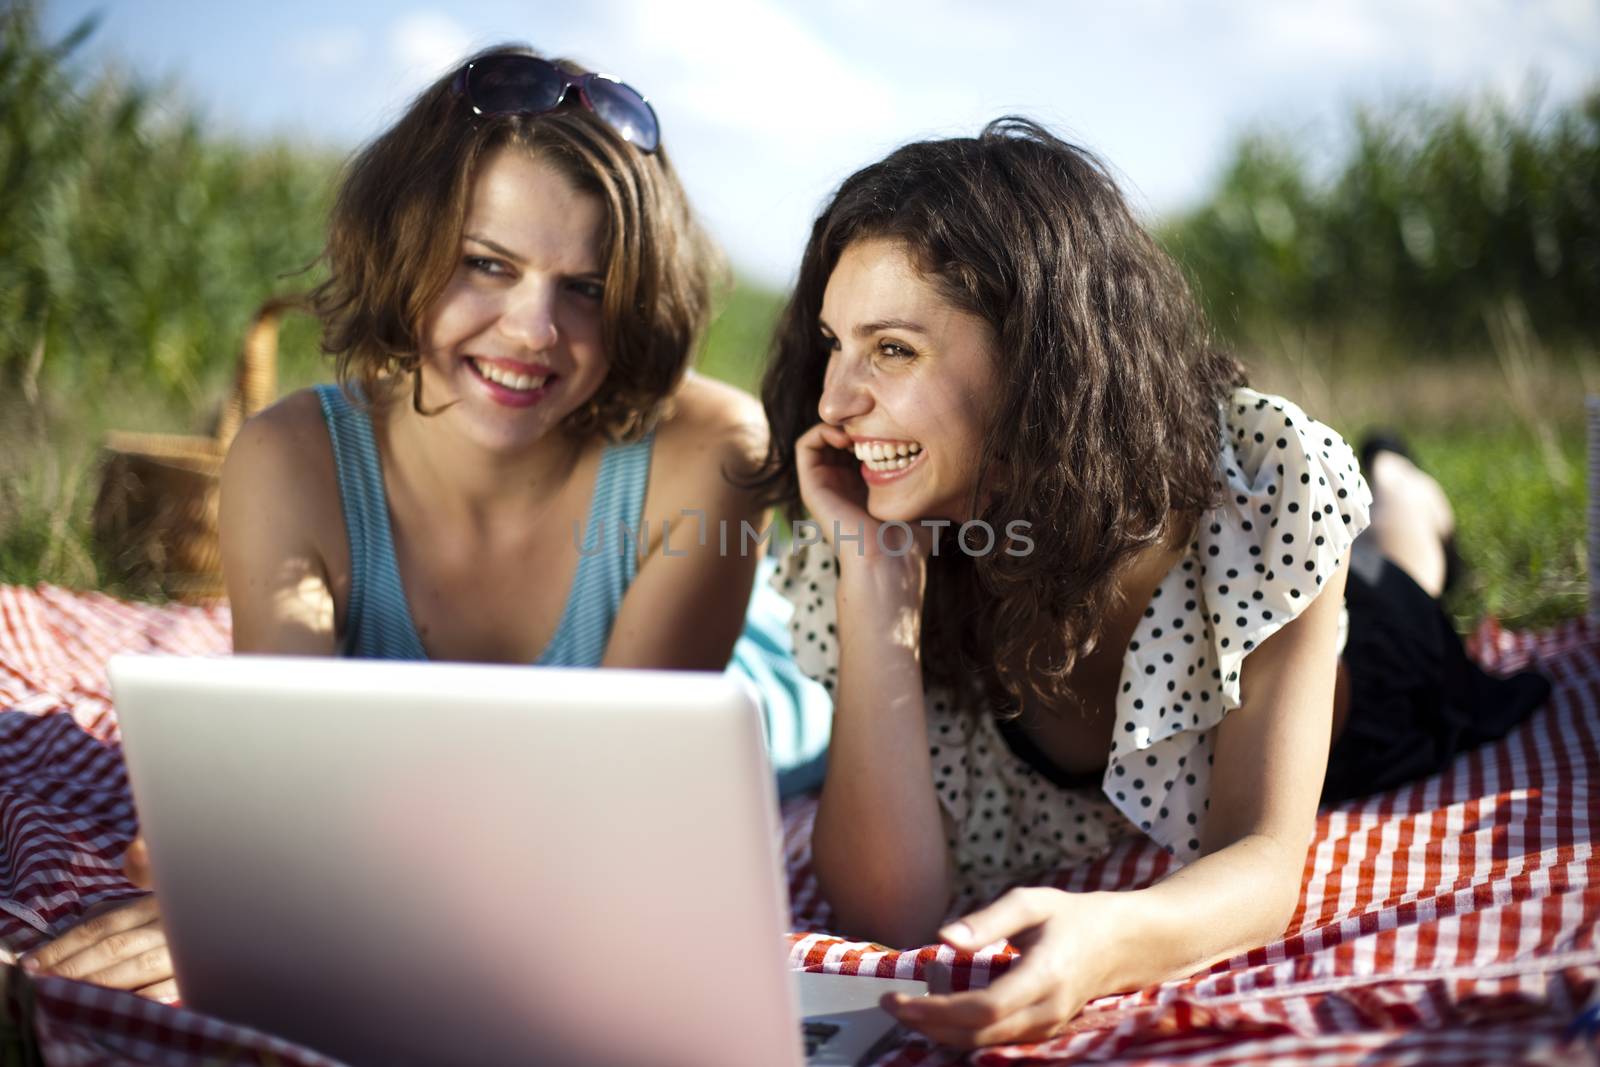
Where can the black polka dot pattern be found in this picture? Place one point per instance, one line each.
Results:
(1293, 500)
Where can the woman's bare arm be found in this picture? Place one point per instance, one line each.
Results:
(1270, 759)
(277, 490)
(878, 845)
(686, 607)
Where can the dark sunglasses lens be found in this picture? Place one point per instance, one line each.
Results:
(625, 111)
(514, 83)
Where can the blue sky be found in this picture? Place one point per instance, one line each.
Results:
(766, 104)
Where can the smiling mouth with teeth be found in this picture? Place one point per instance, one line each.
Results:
(887, 456)
(521, 383)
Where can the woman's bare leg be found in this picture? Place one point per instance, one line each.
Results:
(1411, 517)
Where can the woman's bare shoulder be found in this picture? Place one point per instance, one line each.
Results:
(708, 448)
(291, 432)
(710, 417)
(285, 553)
(285, 452)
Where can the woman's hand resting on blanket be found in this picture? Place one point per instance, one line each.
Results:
(1068, 943)
(121, 945)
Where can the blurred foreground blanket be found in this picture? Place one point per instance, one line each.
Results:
(1449, 922)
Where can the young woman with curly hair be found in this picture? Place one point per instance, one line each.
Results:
(1076, 580)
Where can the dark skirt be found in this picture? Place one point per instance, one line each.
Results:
(1416, 699)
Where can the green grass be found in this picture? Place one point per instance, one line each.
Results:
(1505, 439)
(1520, 531)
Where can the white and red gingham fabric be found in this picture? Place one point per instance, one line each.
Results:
(1449, 922)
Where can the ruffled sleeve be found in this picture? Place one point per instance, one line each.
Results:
(1293, 501)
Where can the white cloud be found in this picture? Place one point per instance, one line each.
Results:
(1576, 20)
(1289, 36)
(767, 104)
(426, 44)
(754, 70)
(332, 48)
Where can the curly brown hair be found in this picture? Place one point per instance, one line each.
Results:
(395, 236)
(1106, 434)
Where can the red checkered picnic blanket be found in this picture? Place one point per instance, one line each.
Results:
(1448, 922)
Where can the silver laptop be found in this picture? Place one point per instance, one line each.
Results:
(404, 863)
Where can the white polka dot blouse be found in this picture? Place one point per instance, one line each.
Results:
(1293, 500)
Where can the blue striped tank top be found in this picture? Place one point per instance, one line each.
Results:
(797, 713)
(378, 623)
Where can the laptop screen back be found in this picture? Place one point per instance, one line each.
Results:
(429, 863)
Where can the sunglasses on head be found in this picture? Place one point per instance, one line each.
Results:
(510, 83)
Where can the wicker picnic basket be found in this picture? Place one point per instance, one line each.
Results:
(155, 518)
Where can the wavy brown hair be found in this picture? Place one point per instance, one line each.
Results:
(395, 237)
(1106, 435)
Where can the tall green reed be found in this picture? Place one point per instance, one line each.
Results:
(1431, 218)
(136, 243)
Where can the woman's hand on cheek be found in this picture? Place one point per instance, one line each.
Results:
(1064, 940)
(836, 498)
(830, 481)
